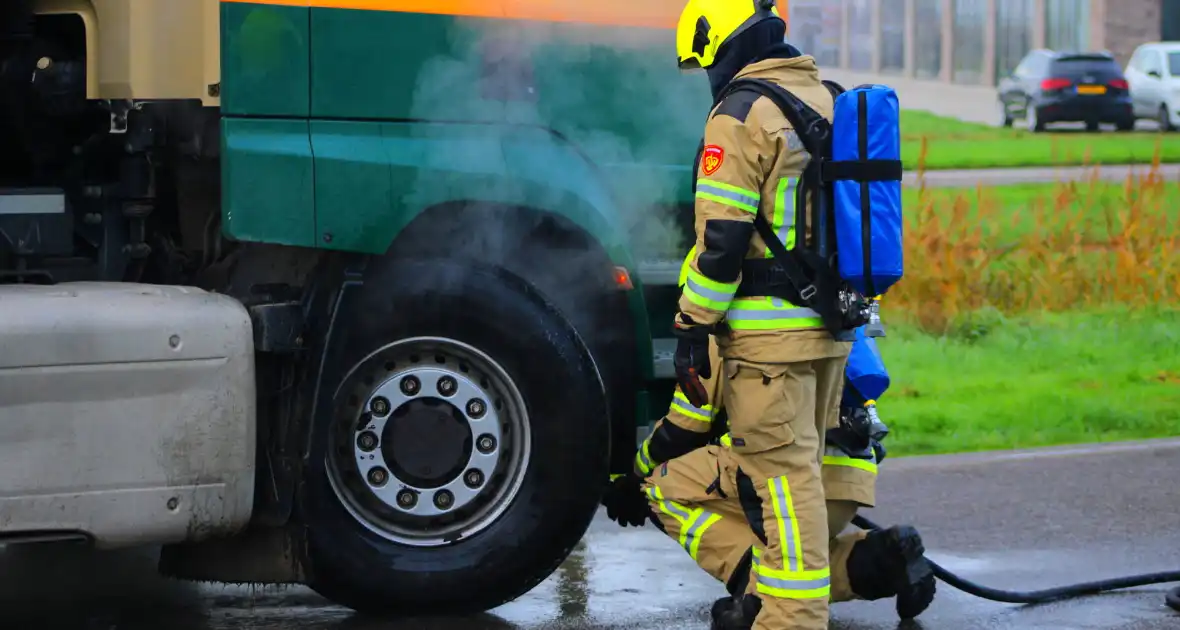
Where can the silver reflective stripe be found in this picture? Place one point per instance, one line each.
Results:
(676, 509)
(705, 187)
(793, 585)
(694, 529)
(687, 407)
(741, 314)
(788, 205)
(790, 554)
(708, 293)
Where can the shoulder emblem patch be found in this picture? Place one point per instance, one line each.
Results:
(711, 159)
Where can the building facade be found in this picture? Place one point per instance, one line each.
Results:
(970, 41)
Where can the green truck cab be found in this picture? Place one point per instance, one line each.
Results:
(370, 295)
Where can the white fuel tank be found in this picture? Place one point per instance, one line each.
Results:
(127, 412)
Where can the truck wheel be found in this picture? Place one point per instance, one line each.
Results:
(467, 448)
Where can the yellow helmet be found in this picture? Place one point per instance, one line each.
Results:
(707, 24)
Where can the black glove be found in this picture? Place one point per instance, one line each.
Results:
(624, 501)
(692, 360)
(878, 451)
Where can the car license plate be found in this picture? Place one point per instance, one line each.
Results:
(1091, 89)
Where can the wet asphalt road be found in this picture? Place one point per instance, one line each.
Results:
(1015, 520)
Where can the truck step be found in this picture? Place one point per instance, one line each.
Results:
(662, 350)
(659, 272)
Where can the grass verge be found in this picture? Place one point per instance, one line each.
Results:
(936, 143)
(997, 382)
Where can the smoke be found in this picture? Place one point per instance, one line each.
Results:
(615, 96)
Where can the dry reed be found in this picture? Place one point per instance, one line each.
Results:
(960, 261)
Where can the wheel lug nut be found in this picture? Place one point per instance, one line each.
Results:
(473, 478)
(486, 444)
(380, 406)
(367, 441)
(411, 385)
(378, 476)
(407, 499)
(447, 386)
(443, 499)
(476, 408)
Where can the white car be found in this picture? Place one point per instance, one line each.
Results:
(1154, 77)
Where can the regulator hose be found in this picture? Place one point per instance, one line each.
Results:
(1172, 599)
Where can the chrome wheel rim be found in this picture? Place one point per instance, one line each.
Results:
(430, 443)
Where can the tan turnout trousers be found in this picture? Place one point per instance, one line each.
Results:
(784, 372)
(709, 521)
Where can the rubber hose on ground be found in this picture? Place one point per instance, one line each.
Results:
(1050, 594)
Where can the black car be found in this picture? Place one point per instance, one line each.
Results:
(1049, 87)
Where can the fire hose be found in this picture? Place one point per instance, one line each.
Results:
(1070, 591)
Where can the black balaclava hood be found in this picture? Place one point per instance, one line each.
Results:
(761, 41)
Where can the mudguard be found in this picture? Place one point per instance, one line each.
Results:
(354, 185)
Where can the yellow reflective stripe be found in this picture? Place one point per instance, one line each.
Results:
(783, 221)
(671, 508)
(728, 194)
(708, 293)
(833, 456)
(686, 267)
(693, 523)
(807, 584)
(691, 533)
(767, 313)
(852, 463)
(709, 520)
(681, 406)
(708, 284)
(712, 184)
(788, 528)
(794, 589)
(643, 457)
(726, 441)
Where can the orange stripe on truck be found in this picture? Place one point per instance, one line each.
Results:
(643, 13)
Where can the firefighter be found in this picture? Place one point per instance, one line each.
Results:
(783, 371)
(863, 565)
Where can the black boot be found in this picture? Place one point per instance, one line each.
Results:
(890, 563)
(735, 613)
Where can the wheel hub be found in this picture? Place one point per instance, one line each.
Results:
(434, 445)
(427, 442)
(425, 458)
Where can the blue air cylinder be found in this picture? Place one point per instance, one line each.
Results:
(866, 378)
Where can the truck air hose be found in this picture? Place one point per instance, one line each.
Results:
(1172, 599)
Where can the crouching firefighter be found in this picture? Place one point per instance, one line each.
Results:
(783, 365)
(714, 529)
(762, 283)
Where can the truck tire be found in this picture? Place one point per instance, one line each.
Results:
(453, 550)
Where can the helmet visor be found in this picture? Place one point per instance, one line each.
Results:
(690, 64)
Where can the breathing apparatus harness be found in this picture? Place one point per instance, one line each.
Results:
(805, 274)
